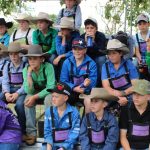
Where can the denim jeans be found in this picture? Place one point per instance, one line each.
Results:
(19, 108)
(30, 113)
(9, 146)
(135, 149)
(99, 62)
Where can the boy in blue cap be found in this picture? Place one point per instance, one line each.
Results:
(79, 71)
(62, 121)
(99, 129)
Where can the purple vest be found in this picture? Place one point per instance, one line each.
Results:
(10, 131)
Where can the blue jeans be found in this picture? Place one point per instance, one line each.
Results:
(135, 149)
(9, 146)
(19, 108)
(100, 60)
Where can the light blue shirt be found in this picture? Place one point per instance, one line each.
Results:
(5, 39)
(62, 122)
(6, 86)
(140, 38)
(67, 13)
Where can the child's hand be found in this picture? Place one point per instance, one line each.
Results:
(148, 44)
(78, 89)
(122, 101)
(87, 82)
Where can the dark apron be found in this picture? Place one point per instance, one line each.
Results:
(61, 134)
(15, 79)
(140, 132)
(97, 137)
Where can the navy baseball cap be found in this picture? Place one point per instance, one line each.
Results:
(79, 43)
(61, 88)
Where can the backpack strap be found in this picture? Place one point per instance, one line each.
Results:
(107, 71)
(52, 117)
(27, 42)
(126, 68)
(3, 64)
(137, 38)
(8, 67)
(62, 13)
(14, 35)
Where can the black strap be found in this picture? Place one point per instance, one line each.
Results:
(3, 64)
(26, 36)
(88, 126)
(126, 68)
(137, 38)
(129, 116)
(14, 35)
(62, 12)
(27, 42)
(8, 67)
(107, 71)
(52, 118)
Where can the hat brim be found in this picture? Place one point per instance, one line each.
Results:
(34, 20)
(64, 27)
(104, 95)
(124, 50)
(78, 1)
(24, 51)
(81, 47)
(26, 19)
(37, 55)
(56, 91)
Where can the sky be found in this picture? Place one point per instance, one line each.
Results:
(89, 8)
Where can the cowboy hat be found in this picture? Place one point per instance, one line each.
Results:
(7, 24)
(14, 47)
(2, 49)
(66, 22)
(35, 51)
(115, 44)
(99, 93)
(77, 1)
(42, 16)
(23, 16)
(141, 87)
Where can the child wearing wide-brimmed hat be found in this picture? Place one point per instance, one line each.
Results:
(135, 120)
(64, 41)
(12, 82)
(118, 74)
(71, 10)
(23, 34)
(4, 36)
(38, 77)
(99, 128)
(62, 121)
(45, 34)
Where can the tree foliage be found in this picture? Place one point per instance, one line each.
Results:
(114, 9)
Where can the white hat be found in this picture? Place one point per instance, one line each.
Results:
(42, 16)
(23, 16)
(66, 22)
(115, 44)
(142, 17)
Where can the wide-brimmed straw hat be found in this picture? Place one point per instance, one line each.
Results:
(66, 22)
(99, 93)
(23, 16)
(42, 16)
(141, 87)
(77, 1)
(35, 51)
(7, 24)
(14, 47)
(2, 49)
(115, 44)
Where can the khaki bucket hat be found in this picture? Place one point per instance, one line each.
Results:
(66, 22)
(42, 16)
(77, 1)
(100, 93)
(141, 87)
(115, 44)
(14, 47)
(36, 51)
(23, 16)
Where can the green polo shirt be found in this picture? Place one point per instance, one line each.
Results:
(148, 59)
(47, 41)
(46, 79)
